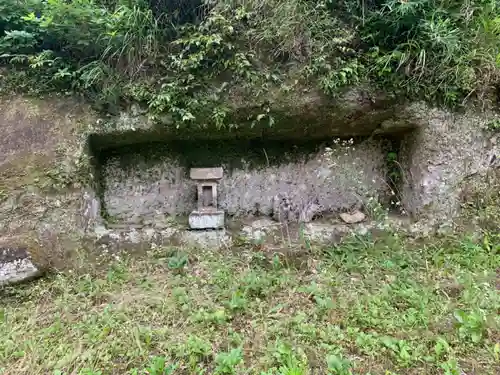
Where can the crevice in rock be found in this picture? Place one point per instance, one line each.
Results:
(395, 174)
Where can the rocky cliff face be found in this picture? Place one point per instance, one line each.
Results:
(446, 153)
(42, 197)
(67, 176)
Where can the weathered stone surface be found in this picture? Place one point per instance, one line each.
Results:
(441, 156)
(320, 232)
(206, 173)
(136, 188)
(326, 233)
(39, 136)
(44, 206)
(353, 218)
(260, 229)
(210, 239)
(42, 166)
(114, 240)
(47, 173)
(257, 231)
(213, 219)
(297, 116)
(16, 265)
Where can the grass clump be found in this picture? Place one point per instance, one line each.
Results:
(387, 306)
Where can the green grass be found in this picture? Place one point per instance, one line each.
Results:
(370, 306)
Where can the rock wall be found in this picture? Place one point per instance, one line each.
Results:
(44, 208)
(136, 188)
(51, 195)
(446, 152)
(43, 165)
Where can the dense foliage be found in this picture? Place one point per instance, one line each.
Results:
(189, 60)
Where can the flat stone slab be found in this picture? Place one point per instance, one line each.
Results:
(206, 173)
(16, 265)
(206, 239)
(206, 219)
(356, 217)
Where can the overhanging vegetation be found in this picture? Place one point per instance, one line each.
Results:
(193, 59)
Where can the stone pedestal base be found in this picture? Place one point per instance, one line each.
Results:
(213, 219)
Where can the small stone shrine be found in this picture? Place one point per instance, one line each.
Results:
(207, 216)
